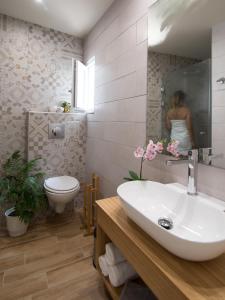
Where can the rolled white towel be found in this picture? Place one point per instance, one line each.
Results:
(113, 254)
(120, 273)
(103, 265)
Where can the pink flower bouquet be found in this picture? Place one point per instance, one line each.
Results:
(149, 153)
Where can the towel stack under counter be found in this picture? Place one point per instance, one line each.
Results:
(114, 266)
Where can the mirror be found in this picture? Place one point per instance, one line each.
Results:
(186, 76)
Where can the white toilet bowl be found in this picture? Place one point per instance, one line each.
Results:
(60, 191)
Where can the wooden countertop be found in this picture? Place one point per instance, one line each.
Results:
(168, 276)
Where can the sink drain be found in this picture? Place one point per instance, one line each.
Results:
(166, 223)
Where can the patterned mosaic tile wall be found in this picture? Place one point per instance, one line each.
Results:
(59, 156)
(35, 72)
(158, 66)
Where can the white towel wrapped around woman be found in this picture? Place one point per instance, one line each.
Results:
(103, 265)
(113, 255)
(120, 273)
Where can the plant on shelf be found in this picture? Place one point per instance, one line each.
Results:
(149, 153)
(66, 106)
(22, 187)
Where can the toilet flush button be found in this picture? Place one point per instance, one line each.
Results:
(56, 131)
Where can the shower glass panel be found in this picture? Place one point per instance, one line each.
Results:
(194, 81)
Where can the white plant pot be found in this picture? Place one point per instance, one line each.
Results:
(14, 225)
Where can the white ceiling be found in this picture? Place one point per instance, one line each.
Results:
(183, 27)
(75, 17)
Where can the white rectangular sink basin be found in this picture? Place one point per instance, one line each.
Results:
(198, 222)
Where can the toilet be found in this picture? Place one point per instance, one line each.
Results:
(60, 191)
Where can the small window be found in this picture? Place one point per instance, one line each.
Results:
(85, 86)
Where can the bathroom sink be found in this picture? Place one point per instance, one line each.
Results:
(191, 227)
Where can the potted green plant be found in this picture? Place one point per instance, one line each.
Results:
(22, 187)
(66, 106)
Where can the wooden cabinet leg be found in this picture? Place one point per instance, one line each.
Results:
(100, 242)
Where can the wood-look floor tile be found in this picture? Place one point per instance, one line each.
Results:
(55, 229)
(24, 287)
(69, 272)
(11, 262)
(44, 252)
(87, 251)
(94, 294)
(29, 236)
(80, 287)
(72, 289)
(40, 265)
(65, 232)
(78, 242)
(28, 247)
(60, 219)
(90, 287)
(1, 279)
(29, 297)
(58, 263)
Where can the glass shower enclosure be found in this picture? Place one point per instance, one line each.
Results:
(195, 81)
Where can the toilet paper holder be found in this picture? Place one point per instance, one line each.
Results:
(56, 131)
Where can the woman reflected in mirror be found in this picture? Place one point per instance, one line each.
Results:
(179, 123)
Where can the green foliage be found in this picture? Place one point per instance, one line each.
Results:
(22, 186)
(133, 176)
(66, 105)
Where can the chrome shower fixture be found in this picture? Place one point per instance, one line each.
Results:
(221, 80)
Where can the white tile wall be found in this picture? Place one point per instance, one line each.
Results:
(116, 111)
(119, 43)
(218, 114)
(121, 88)
(218, 98)
(118, 124)
(218, 65)
(218, 94)
(142, 29)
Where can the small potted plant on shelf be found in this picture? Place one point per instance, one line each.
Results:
(150, 152)
(22, 187)
(66, 106)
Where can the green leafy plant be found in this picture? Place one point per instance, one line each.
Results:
(66, 106)
(133, 176)
(22, 187)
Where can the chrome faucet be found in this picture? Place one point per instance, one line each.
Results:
(192, 162)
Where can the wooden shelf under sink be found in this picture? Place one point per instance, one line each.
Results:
(100, 243)
(113, 291)
(168, 276)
